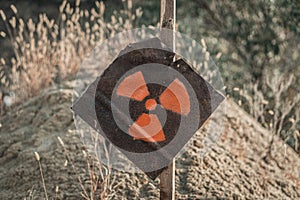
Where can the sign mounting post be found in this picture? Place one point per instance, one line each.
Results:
(168, 21)
(147, 103)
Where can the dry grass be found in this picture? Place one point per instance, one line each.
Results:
(99, 184)
(49, 51)
(274, 105)
(37, 157)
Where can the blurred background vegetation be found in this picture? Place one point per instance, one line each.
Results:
(256, 45)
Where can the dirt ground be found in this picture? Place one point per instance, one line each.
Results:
(236, 167)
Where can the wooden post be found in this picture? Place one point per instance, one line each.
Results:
(167, 20)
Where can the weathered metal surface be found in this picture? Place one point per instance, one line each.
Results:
(95, 105)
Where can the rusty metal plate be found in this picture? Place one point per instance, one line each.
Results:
(148, 105)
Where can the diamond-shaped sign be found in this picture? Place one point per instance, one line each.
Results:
(148, 105)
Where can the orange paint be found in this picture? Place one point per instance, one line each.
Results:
(176, 98)
(147, 128)
(150, 104)
(160, 137)
(134, 87)
(143, 120)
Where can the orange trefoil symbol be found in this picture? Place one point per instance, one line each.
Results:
(148, 127)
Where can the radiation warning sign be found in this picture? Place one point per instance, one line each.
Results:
(148, 127)
(148, 104)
